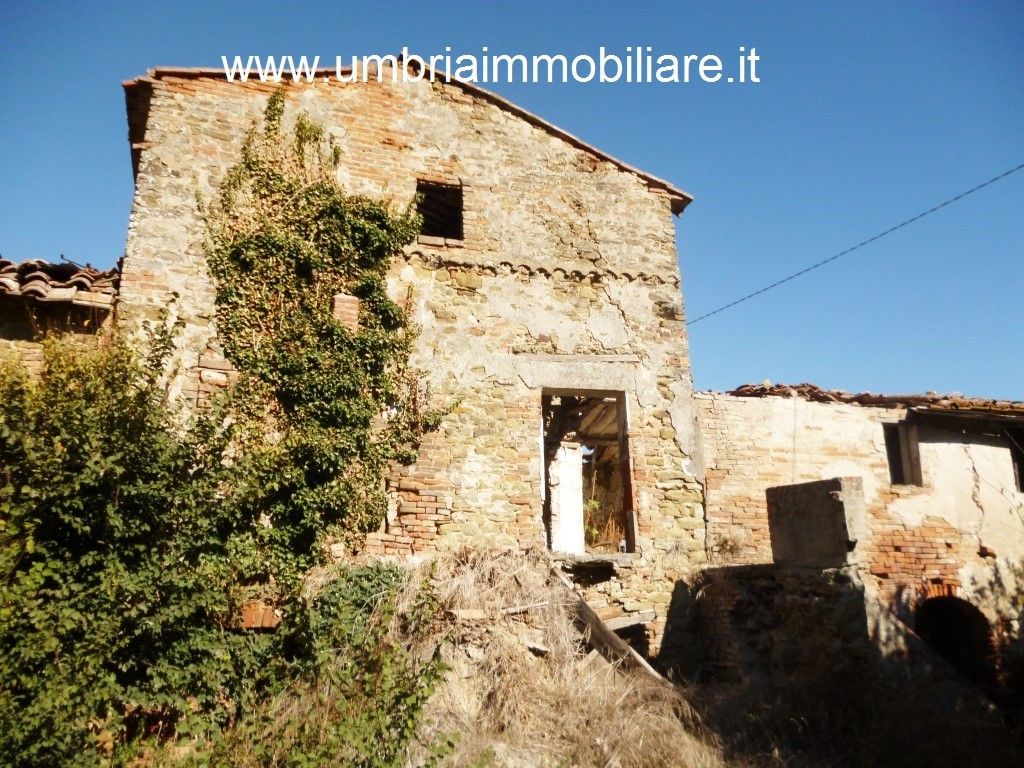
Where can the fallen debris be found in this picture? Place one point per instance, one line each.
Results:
(540, 680)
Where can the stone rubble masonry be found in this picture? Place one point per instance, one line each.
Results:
(818, 632)
(27, 353)
(783, 626)
(566, 278)
(960, 530)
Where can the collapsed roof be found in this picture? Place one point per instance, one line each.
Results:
(932, 402)
(64, 282)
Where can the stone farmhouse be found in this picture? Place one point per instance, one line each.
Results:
(546, 284)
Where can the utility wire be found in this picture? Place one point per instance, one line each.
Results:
(861, 244)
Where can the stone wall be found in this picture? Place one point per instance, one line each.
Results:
(962, 530)
(809, 621)
(783, 626)
(565, 278)
(823, 636)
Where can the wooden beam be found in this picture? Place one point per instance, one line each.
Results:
(603, 639)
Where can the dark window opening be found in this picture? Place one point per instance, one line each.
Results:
(636, 636)
(440, 205)
(23, 319)
(892, 452)
(902, 453)
(1017, 456)
(588, 491)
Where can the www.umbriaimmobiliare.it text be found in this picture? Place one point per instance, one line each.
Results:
(633, 64)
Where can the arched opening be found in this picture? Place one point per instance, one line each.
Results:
(961, 634)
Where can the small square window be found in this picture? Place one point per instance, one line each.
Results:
(440, 205)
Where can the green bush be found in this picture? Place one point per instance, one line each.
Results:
(125, 557)
(361, 700)
(116, 602)
(129, 538)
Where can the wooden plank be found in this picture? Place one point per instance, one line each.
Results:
(603, 639)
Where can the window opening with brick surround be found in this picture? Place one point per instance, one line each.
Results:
(440, 205)
(588, 505)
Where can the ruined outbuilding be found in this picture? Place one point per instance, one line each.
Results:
(40, 298)
(930, 514)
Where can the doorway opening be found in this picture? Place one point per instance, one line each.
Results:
(588, 489)
(961, 634)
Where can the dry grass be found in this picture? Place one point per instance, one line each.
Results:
(521, 688)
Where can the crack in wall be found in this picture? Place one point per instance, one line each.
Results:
(975, 490)
(600, 260)
(614, 303)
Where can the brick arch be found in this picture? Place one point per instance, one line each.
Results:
(959, 632)
(945, 588)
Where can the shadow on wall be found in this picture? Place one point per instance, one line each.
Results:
(1004, 588)
(798, 679)
(806, 669)
(683, 652)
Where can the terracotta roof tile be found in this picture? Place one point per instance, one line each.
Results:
(931, 401)
(62, 282)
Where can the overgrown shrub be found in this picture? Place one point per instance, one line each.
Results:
(129, 537)
(363, 697)
(116, 602)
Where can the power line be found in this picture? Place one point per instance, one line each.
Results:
(861, 244)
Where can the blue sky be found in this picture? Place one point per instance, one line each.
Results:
(867, 113)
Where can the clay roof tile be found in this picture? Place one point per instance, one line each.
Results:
(59, 282)
(930, 401)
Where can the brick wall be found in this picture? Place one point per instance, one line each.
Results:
(751, 444)
(961, 528)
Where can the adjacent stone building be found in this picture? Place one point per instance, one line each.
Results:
(939, 538)
(546, 286)
(38, 298)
